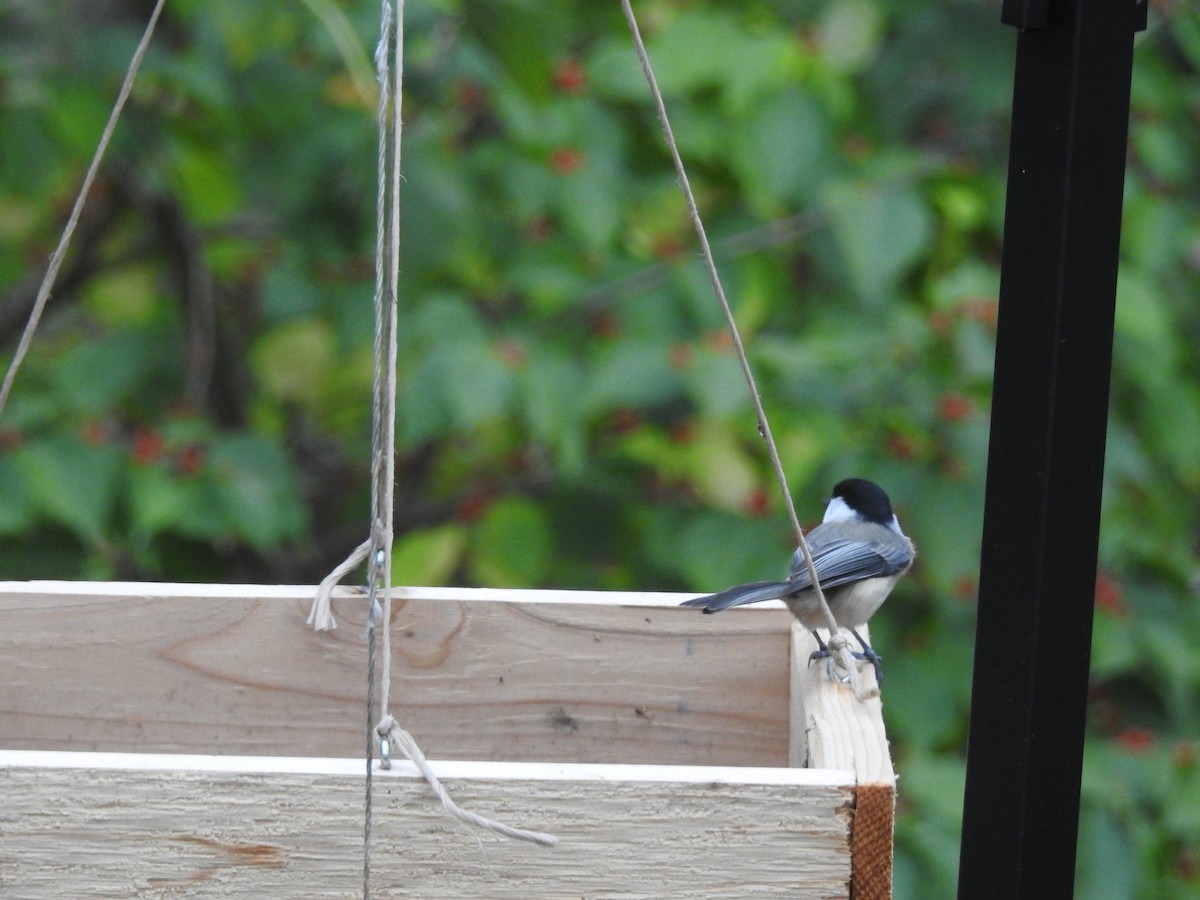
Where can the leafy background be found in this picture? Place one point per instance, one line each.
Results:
(195, 407)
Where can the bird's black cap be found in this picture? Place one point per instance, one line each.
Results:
(866, 498)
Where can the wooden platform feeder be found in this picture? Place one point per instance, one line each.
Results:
(201, 741)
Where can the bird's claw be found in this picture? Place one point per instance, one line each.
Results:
(875, 660)
(866, 655)
(831, 668)
(869, 655)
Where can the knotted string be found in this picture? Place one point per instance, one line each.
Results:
(377, 549)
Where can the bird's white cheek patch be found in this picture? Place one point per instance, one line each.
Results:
(839, 511)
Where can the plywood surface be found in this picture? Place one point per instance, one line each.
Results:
(187, 831)
(235, 670)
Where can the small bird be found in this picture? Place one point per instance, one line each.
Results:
(859, 553)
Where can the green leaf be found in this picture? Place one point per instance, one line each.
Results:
(714, 551)
(474, 381)
(946, 524)
(552, 387)
(511, 29)
(78, 115)
(590, 206)
(632, 372)
(721, 470)
(716, 384)
(160, 500)
(428, 556)
(1142, 316)
(783, 152)
(758, 64)
(1168, 153)
(511, 545)
(934, 783)
(71, 483)
(206, 182)
(678, 67)
(16, 508)
(256, 492)
(929, 714)
(293, 361)
(849, 34)
(124, 297)
(615, 71)
(95, 376)
(1106, 864)
(881, 230)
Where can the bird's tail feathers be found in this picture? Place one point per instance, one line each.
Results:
(741, 595)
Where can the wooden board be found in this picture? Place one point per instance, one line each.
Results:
(586, 682)
(832, 729)
(234, 669)
(86, 825)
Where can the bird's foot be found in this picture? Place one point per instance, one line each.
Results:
(867, 654)
(831, 668)
(876, 661)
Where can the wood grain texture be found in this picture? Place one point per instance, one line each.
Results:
(194, 832)
(841, 731)
(230, 669)
(574, 679)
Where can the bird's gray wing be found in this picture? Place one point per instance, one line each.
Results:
(756, 592)
(844, 561)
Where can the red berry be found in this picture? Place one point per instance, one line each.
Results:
(148, 446)
(190, 460)
(472, 507)
(569, 76)
(469, 94)
(538, 229)
(954, 407)
(965, 587)
(1185, 753)
(666, 247)
(624, 420)
(10, 439)
(719, 341)
(900, 446)
(941, 322)
(680, 356)
(1135, 740)
(95, 433)
(683, 432)
(983, 310)
(1109, 596)
(566, 160)
(758, 504)
(605, 325)
(512, 352)
(858, 147)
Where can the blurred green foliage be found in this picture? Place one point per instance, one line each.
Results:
(571, 415)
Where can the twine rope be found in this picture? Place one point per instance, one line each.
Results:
(838, 645)
(389, 730)
(56, 258)
(377, 549)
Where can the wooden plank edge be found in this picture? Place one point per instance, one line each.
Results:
(185, 591)
(192, 834)
(872, 839)
(829, 726)
(448, 769)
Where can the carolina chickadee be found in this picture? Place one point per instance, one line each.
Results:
(859, 553)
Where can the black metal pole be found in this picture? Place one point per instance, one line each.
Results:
(1046, 456)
